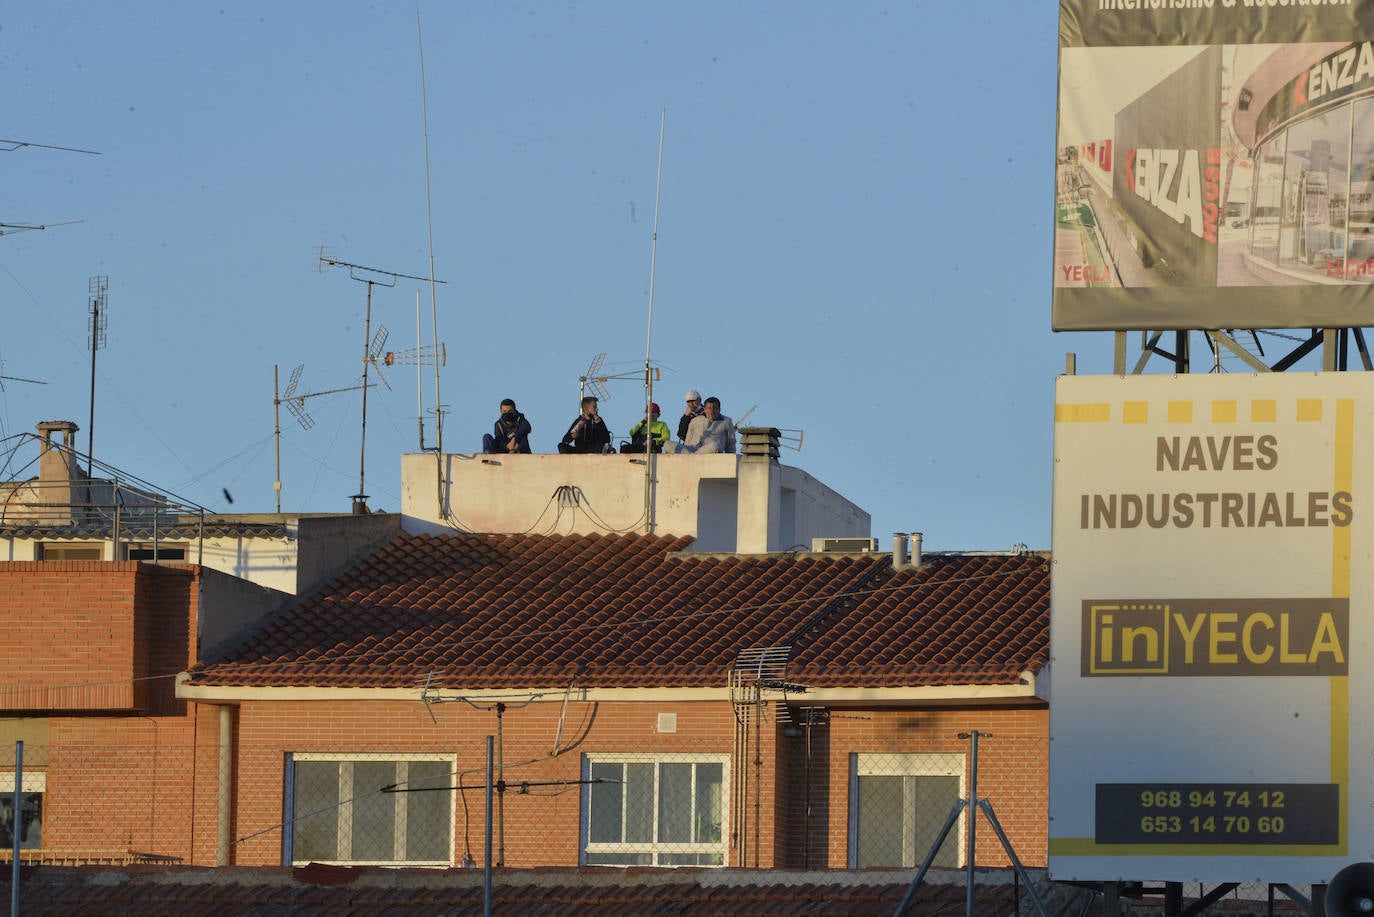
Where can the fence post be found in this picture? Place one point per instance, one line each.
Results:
(16, 828)
(486, 877)
(224, 784)
(972, 820)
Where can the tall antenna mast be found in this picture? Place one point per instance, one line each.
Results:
(649, 478)
(433, 293)
(371, 350)
(98, 298)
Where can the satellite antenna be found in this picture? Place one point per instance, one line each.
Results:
(370, 276)
(296, 405)
(98, 300)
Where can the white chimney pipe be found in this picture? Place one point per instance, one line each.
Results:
(916, 549)
(898, 550)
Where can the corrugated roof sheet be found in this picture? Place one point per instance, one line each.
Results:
(494, 611)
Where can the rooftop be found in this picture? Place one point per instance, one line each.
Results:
(534, 611)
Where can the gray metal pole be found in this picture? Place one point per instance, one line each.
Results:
(17, 827)
(972, 821)
(486, 875)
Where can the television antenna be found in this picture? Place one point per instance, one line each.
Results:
(594, 380)
(9, 146)
(4, 378)
(295, 403)
(9, 229)
(421, 355)
(372, 276)
(98, 300)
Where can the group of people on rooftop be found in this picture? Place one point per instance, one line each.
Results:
(701, 429)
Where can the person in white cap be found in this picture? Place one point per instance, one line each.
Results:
(693, 409)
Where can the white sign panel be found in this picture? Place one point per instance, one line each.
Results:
(1210, 624)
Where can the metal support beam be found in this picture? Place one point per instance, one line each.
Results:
(1363, 349)
(1225, 340)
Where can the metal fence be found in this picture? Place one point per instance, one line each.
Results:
(812, 801)
(850, 801)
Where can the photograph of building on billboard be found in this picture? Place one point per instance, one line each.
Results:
(1214, 165)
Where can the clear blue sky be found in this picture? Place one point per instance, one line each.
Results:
(855, 235)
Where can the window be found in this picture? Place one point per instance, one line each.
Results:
(654, 811)
(30, 812)
(337, 812)
(166, 553)
(899, 803)
(71, 551)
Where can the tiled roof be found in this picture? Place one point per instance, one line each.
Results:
(343, 891)
(530, 611)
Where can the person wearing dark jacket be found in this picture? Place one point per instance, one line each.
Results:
(588, 433)
(693, 410)
(511, 434)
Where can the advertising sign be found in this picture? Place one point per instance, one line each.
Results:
(1212, 616)
(1214, 164)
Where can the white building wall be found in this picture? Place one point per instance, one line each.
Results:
(700, 495)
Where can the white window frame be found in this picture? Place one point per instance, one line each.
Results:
(345, 808)
(34, 782)
(907, 764)
(655, 849)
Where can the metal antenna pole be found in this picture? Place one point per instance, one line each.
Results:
(433, 292)
(371, 349)
(276, 433)
(649, 463)
(360, 498)
(295, 403)
(98, 290)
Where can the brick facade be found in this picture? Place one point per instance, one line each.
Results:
(132, 771)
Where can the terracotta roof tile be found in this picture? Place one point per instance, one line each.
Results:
(494, 611)
(198, 892)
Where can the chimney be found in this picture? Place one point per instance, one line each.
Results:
(58, 472)
(916, 550)
(758, 514)
(898, 550)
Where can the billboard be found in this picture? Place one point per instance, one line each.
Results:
(1214, 164)
(1212, 618)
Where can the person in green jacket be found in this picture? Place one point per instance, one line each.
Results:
(657, 431)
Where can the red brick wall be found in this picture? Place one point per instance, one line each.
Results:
(86, 637)
(1013, 775)
(542, 827)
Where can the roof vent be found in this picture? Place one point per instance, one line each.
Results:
(844, 545)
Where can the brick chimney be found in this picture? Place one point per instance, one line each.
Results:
(758, 520)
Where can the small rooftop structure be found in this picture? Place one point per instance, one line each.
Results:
(64, 513)
(748, 504)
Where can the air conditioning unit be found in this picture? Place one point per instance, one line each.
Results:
(844, 545)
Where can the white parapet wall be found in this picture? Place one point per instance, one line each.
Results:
(699, 495)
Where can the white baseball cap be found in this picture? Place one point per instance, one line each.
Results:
(692, 395)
